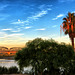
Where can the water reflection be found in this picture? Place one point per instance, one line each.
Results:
(8, 63)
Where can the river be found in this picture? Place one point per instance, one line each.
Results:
(9, 63)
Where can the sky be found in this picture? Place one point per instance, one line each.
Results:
(24, 20)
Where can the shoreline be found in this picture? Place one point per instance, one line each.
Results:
(7, 57)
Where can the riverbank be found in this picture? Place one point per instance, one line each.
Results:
(7, 57)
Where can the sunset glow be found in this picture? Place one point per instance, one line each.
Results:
(24, 20)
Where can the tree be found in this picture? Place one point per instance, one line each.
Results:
(45, 55)
(36, 54)
(28, 55)
(68, 26)
(64, 56)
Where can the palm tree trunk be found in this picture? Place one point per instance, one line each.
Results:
(72, 40)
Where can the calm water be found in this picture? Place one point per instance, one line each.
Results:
(9, 63)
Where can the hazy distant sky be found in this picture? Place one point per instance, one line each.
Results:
(23, 20)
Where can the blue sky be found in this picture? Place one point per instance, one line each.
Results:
(23, 20)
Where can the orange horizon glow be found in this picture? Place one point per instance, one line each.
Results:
(10, 46)
(59, 39)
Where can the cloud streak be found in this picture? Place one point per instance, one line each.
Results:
(3, 6)
(27, 27)
(54, 26)
(45, 7)
(6, 29)
(38, 15)
(66, 0)
(19, 34)
(58, 16)
(34, 17)
(10, 35)
(15, 31)
(41, 29)
(3, 16)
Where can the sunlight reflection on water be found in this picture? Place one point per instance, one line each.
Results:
(10, 63)
(7, 63)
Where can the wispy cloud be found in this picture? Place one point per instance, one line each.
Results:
(27, 27)
(54, 26)
(11, 30)
(66, 0)
(41, 29)
(41, 6)
(19, 34)
(2, 34)
(3, 6)
(3, 16)
(6, 29)
(58, 16)
(18, 22)
(15, 31)
(37, 15)
(12, 39)
(45, 7)
(26, 22)
(11, 35)
(32, 18)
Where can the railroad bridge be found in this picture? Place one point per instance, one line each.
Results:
(7, 53)
(4, 51)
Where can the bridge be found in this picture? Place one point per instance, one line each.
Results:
(7, 53)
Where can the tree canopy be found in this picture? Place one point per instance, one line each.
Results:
(68, 24)
(45, 55)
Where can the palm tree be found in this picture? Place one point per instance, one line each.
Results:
(68, 26)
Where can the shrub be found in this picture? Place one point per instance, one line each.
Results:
(13, 70)
(3, 70)
(10, 70)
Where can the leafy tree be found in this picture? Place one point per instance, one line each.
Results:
(28, 56)
(64, 56)
(72, 66)
(45, 54)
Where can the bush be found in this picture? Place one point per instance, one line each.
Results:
(3, 70)
(13, 70)
(10, 70)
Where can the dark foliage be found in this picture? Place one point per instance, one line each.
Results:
(10, 70)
